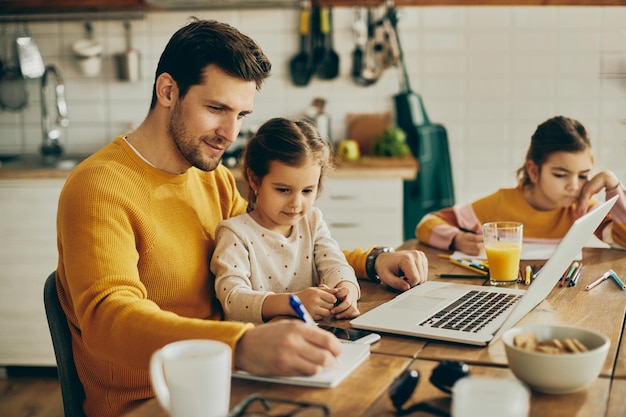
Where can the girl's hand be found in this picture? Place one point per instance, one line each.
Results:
(347, 296)
(470, 243)
(317, 301)
(606, 180)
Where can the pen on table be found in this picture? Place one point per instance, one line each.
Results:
(472, 266)
(461, 276)
(577, 275)
(569, 273)
(617, 280)
(599, 281)
(529, 273)
(297, 306)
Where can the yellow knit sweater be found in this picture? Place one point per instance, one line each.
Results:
(134, 248)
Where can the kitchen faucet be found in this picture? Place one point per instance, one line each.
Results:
(51, 147)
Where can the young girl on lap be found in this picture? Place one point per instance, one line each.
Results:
(555, 187)
(282, 245)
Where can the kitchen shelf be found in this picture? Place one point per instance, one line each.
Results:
(401, 3)
(70, 16)
(12, 10)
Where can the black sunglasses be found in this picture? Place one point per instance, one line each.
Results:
(256, 405)
(444, 376)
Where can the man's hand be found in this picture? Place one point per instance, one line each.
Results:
(286, 348)
(402, 270)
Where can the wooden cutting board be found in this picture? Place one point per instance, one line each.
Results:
(365, 127)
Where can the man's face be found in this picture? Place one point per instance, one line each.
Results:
(207, 120)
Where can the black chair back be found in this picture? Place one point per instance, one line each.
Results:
(71, 387)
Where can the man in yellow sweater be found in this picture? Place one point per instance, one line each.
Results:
(136, 225)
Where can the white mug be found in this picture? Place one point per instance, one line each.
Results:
(191, 378)
(482, 396)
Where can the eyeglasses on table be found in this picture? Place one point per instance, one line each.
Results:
(256, 405)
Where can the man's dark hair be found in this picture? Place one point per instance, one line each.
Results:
(204, 42)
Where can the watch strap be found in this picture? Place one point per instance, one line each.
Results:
(370, 262)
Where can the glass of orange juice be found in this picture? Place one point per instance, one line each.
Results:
(503, 245)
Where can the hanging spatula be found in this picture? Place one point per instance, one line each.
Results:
(31, 62)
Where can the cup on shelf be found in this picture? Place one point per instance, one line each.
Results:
(88, 55)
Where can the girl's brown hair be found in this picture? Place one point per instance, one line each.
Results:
(558, 134)
(286, 141)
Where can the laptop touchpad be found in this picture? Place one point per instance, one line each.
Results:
(420, 303)
(434, 299)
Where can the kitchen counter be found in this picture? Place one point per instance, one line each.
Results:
(32, 166)
(366, 167)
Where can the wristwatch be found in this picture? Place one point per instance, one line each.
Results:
(370, 262)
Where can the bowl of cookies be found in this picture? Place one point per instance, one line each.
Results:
(555, 359)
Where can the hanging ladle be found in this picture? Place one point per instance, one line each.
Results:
(328, 66)
(300, 66)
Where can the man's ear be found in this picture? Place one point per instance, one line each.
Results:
(166, 90)
(533, 171)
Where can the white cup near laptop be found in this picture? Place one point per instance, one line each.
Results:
(480, 396)
(191, 378)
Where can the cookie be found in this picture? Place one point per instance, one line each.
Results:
(526, 341)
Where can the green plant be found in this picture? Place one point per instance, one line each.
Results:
(392, 142)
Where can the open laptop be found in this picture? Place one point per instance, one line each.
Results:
(451, 312)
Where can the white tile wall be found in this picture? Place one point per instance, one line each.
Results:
(488, 74)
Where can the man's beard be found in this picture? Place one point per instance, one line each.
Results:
(189, 148)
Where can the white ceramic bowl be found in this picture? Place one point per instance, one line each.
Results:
(557, 373)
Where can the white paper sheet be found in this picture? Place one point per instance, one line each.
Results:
(538, 250)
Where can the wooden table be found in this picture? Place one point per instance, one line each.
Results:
(365, 391)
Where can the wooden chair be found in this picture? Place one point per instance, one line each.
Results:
(71, 387)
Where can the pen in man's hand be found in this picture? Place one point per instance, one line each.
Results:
(297, 306)
(463, 229)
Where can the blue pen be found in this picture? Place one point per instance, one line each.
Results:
(617, 280)
(297, 306)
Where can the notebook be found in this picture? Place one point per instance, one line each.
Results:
(452, 312)
(351, 356)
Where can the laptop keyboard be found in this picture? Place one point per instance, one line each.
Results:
(472, 312)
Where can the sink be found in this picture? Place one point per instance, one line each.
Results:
(36, 161)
